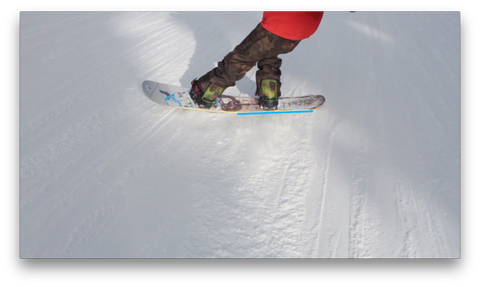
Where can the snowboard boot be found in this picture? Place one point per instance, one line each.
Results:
(205, 99)
(269, 94)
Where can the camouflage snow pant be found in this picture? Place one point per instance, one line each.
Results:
(260, 47)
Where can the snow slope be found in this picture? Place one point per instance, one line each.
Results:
(104, 172)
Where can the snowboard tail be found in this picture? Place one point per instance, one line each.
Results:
(178, 97)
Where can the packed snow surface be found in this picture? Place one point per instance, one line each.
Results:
(105, 172)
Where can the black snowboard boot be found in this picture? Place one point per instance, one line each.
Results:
(269, 94)
(205, 99)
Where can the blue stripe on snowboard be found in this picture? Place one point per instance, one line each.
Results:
(275, 112)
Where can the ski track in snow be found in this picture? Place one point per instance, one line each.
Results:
(107, 173)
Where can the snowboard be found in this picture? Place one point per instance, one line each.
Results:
(178, 97)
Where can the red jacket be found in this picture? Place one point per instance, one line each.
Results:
(292, 25)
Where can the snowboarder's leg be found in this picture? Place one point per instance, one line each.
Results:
(268, 69)
(231, 69)
(268, 82)
(238, 62)
(268, 74)
(259, 46)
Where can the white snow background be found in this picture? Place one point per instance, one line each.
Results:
(106, 173)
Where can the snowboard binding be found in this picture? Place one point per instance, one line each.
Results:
(205, 99)
(269, 94)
